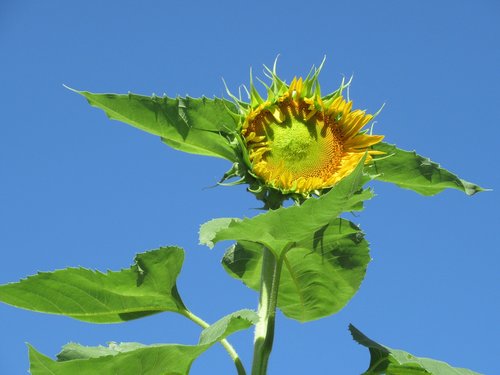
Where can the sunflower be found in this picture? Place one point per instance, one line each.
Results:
(300, 142)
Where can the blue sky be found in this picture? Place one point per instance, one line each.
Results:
(77, 189)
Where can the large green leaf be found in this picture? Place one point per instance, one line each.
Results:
(148, 360)
(318, 277)
(385, 360)
(135, 358)
(198, 126)
(412, 171)
(283, 228)
(148, 287)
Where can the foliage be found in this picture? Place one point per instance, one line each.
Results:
(134, 358)
(305, 259)
(146, 288)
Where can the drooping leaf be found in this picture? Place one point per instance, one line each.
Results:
(227, 325)
(318, 277)
(278, 229)
(385, 360)
(198, 126)
(135, 358)
(412, 171)
(148, 287)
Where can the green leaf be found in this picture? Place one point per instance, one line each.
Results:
(229, 324)
(73, 351)
(318, 277)
(134, 358)
(146, 288)
(147, 360)
(411, 171)
(385, 360)
(279, 229)
(198, 126)
(210, 229)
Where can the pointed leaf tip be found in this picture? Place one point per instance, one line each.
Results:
(384, 360)
(409, 170)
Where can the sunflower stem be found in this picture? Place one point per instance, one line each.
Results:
(229, 348)
(264, 330)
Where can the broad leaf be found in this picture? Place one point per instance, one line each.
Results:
(198, 126)
(147, 360)
(318, 277)
(412, 171)
(148, 287)
(284, 227)
(385, 360)
(135, 358)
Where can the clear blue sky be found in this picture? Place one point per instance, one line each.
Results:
(77, 189)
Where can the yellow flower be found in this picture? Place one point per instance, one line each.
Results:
(299, 142)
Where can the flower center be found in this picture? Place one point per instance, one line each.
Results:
(292, 141)
(304, 148)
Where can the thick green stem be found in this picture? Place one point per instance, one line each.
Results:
(229, 348)
(264, 330)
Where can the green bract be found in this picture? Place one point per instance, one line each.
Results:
(305, 259)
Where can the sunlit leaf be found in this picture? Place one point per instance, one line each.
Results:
(198, 126)
(318, 277)
(148, 287)
(278, 229)
(385, 360)
(73, 351)
(135, 358)
(227, 325)
(412, 171)
(147, 360)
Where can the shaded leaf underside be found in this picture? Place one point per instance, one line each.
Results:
(318, 277)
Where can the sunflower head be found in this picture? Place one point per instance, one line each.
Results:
(298, 142)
